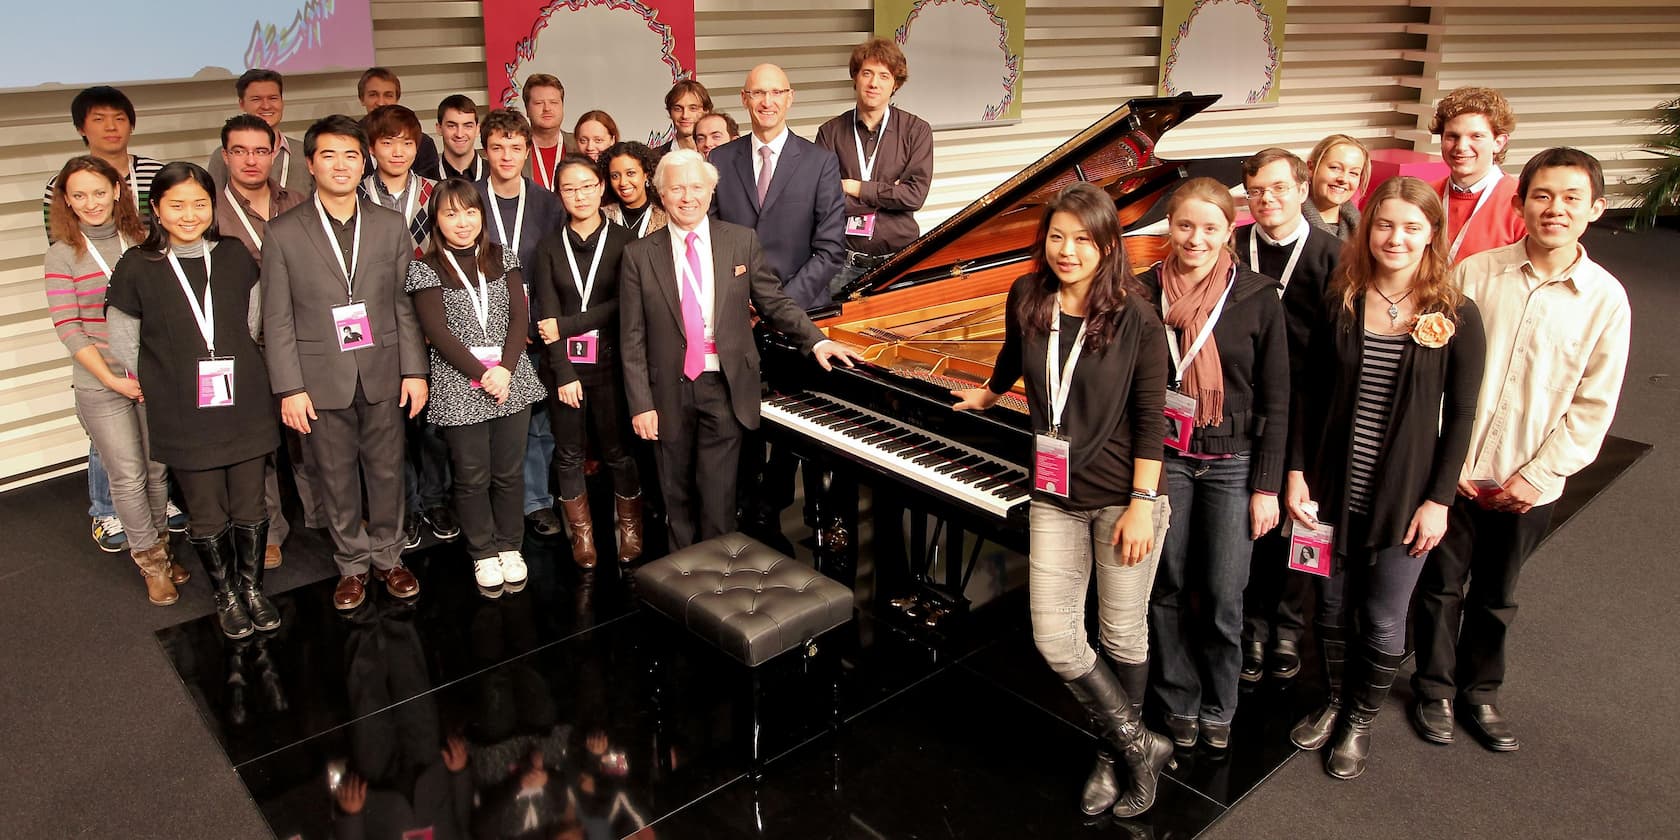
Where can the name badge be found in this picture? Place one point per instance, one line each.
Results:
(863, 226)
(1486, 488)
(581, 349)
(1309, 548)
(215, 383)
(1181, 420)
(1050, 464)
(352, 327)
(489, 356)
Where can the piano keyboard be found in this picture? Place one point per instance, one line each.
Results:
(950, 468)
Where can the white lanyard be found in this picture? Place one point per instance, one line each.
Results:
(518, 218)
(122, 245)
(585, 287)
(544, 173)
(133, 189)
(481, 300)
(412, 193)
(337, 252)
(205, 315)
(647, 216)
(243, 219)
(1207, 329)
(1294, 256)
(285, 167)
(866, 165)
(1058, 381)
(1452, 253)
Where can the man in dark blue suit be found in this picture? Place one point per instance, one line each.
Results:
(786, 188)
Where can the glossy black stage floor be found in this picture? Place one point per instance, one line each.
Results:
(541, 714)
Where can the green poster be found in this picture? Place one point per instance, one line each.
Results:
(1230, 47)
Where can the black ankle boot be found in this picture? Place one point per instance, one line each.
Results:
(1353, 741)
(1314, 730)
(249, 544)
(217, 555)
(1144, 752)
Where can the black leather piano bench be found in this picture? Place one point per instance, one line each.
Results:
(753, 603)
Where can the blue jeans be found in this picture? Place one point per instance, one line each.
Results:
(539, 454)
(1198, 650)
(99, 487)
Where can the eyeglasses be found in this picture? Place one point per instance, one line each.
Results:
(1275, 191)
(776, 93)
(574, 192)
(241, 151)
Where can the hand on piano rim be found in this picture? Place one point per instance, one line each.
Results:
(828, 349)
(970, 399)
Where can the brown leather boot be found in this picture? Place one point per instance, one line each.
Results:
(582, 529)
(178, 573)
(154, 566)
(627, 514)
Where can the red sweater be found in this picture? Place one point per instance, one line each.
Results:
(1497, 225)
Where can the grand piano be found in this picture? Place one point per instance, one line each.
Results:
(931, 319)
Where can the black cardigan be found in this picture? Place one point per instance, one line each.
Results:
(1114, 414)
(555, 295)
(1307, 286)
(1254, 354)
(1428, 430)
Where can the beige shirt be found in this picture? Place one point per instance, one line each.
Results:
(1556, 353)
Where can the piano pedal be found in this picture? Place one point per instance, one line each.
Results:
(935, 615)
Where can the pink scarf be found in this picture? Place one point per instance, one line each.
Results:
(1189, 305)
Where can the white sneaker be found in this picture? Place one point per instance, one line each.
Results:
(488, 573)
(513, 569)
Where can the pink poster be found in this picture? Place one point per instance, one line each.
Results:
(323, 35)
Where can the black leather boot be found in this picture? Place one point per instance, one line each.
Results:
(1365, 700)
(1144, 752)
(1314, 730)
(1135, 680)
(217, 555)
(250, 542)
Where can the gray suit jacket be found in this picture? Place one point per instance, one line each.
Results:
(651, 340)
(302, 283)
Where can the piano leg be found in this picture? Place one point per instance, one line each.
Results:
(837, 519)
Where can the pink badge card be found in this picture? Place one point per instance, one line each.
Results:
(581, 349)
(1050, 465)
(863, 226)
(215, 383)
(1181, 420)
(352, 327)
(489, 356)
(1310, 548)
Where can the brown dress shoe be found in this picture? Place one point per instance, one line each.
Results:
(399, 581)
(271, 557)
(350, 592)
(627, 514)
(582, 528)
(154, 566)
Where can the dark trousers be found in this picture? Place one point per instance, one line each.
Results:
(1378, 583)
(221, 496)
(426, 465)
(1467, 600)
(369, 436)
(602, 417)
(489, 463)
(1274, 604)
(699, 452)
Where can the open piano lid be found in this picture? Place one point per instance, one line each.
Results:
(1116, 153)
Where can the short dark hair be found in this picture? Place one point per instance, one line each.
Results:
(257, 74)
(391, 121)
(338, 125)
(504, 121)
(1252, 165)
(248, 122)
(597, 167)
(687, 86)
(457, 102)
(372, 73)
(1562, 157)
(729, 123)
(99, 96)
(884, 51)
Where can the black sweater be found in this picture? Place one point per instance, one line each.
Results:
(1307, 286)
(1114, 414)
(554, 294)
(1428, 433)
(1254, 354)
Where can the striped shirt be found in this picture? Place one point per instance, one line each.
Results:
(1378, 371)
(141, 170)
(419, 224)
(76, 298)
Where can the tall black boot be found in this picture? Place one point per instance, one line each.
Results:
(217, 555)
(1314, 730)
(250, 542)
(1365, 700)
(1144, 752)
(1135, 679)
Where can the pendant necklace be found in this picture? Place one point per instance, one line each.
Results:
(1393, 306)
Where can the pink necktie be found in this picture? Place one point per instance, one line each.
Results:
(694, 326)
(764, 173)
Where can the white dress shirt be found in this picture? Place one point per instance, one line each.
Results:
(706, 282)
(776, 143)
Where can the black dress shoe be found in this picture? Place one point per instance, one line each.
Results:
(1434, 720)
(1216, 735)
(443, 523)
(1286, 660)
(544, 522)
(1490, 727)
(1182, 730)
(1253, 663)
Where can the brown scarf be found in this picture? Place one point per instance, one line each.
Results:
(1190, 304)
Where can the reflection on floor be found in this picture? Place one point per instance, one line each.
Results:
(566, 711)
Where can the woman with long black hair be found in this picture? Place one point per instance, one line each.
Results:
(182, 313)
(1381, 426)
(1094, 360)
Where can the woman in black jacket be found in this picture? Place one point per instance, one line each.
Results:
(575, 281)
(1094, 363)
(1226, 429)
(1383, 418)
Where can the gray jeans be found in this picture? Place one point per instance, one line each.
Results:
(139, 485)
(1064, 545)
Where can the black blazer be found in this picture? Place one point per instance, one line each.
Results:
(1428, 430)
(803, 221)
(555, 295)
(651, 340)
